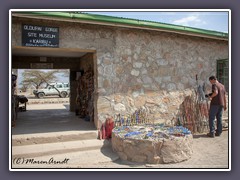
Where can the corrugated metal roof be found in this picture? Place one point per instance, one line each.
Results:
(126, 22)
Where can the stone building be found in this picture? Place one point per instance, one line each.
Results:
(135, 64)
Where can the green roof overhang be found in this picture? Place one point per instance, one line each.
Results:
(122, 22)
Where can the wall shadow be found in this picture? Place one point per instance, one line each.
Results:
(50, 120)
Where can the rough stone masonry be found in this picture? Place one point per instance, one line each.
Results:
(153, 70)
(158, 151)
(140, 68)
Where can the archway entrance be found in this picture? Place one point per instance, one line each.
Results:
(79, 62)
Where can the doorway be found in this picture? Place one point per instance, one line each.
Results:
(81, 63)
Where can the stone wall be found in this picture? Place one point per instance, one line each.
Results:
(173, 150)
(139, 68)
(155, 71)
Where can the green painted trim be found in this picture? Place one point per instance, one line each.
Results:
(126, 21)
(224, 79)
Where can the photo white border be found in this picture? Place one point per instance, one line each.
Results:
(120, 10)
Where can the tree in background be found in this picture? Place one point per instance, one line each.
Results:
(37, 78)
(24, 86)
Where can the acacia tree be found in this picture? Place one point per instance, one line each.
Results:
(24, 86)
(38, 77)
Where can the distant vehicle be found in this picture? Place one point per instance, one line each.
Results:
(60, 89)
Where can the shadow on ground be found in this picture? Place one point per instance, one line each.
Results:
(50, 120)
(108, 151)
(200, 136)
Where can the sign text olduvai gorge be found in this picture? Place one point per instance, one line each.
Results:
(40, 36)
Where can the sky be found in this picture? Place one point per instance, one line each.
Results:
(211, 20)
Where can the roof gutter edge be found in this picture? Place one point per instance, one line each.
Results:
(108, 20)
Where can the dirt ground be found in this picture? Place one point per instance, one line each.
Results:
(208, 153)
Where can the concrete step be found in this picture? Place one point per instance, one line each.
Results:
(58, 148)
(43, 138)
(83, 153)
(80, 159)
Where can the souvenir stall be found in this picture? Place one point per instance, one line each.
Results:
(84, 99)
